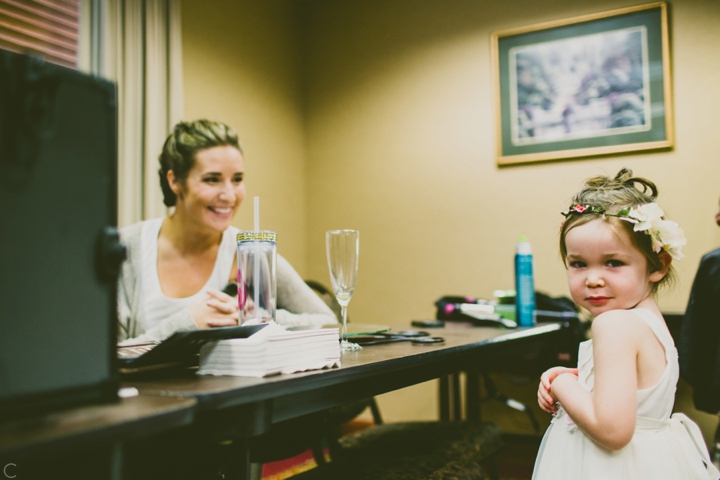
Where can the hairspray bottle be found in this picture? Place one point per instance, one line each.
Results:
(524, 284)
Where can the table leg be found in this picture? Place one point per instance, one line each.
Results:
(237, 465)
(450, 398)
(457, 397)
(472, 395)
(444, 398)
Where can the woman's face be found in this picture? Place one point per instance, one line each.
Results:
(214, 188)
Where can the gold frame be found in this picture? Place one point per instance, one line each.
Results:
(668, 142)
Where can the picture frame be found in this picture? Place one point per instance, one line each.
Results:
(585, 86)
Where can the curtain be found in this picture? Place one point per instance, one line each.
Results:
(138, 44)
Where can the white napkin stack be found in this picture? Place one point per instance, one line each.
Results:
(270, 351)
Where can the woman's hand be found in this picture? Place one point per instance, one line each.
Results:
(217, 309)
(546, 399)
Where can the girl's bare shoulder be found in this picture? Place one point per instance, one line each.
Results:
(615, 324)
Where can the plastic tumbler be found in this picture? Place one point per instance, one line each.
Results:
(257, 277)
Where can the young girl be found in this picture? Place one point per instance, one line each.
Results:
(612, 414)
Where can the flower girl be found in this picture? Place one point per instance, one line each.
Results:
(612, 415)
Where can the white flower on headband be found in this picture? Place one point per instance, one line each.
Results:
(665, 234)
(645, 216)
(668, 235)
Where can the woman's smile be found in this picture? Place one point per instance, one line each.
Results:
(222, 211)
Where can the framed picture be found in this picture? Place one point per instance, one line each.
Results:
(590, 85)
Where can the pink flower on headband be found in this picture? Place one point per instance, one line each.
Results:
(578, 209)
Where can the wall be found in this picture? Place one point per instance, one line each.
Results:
(378, 115)
(401, 145)
(241, 66)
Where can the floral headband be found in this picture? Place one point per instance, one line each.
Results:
(665, 234)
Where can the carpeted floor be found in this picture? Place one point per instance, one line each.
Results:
(515, 461)
(288, 467)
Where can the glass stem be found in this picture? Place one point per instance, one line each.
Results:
(343, 336)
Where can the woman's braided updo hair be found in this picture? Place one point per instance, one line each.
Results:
(611, 195)
(179, 150)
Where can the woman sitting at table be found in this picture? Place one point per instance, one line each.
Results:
(177, 266)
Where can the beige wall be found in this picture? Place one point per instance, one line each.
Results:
(241, 66)
(393, 133)
(401, 145)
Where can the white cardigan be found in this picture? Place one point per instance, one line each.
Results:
(297, 304)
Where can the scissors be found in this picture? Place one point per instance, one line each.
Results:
(417, 337)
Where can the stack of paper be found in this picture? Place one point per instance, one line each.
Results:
(272, 350)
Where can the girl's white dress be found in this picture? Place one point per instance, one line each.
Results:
(664, 447)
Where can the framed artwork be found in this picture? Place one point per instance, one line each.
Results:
(590, 85)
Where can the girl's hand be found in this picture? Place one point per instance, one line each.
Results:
(546, 399)
(217, 309)
(547, 378)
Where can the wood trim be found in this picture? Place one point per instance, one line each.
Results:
(48, 28)
(580, 19)
(53, 55)
(546, 156)
(39, 23)
(71, 9)
(39, 35)
(43, 13)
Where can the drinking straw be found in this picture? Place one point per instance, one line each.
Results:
(257, 214)
(256, 259)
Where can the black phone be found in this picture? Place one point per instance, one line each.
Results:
(428, 323)
(231, 289)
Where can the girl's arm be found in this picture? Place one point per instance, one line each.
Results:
(608, 414)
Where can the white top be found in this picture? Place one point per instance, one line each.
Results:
(297, 305)
(156, 305)
(664, 446)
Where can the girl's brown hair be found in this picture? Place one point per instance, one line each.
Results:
(611, 195)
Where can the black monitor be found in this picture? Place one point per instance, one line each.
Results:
(59, 254)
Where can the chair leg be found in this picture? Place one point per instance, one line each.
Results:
(256, 471)
(493, 394)
(318, 454)
(334, 448)
(236, 461)
(377, 418)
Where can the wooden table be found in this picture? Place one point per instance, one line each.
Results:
(242, 407)
(85, 442)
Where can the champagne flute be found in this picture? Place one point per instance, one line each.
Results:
(343, 247)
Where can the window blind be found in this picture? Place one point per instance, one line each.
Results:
(48, 28)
